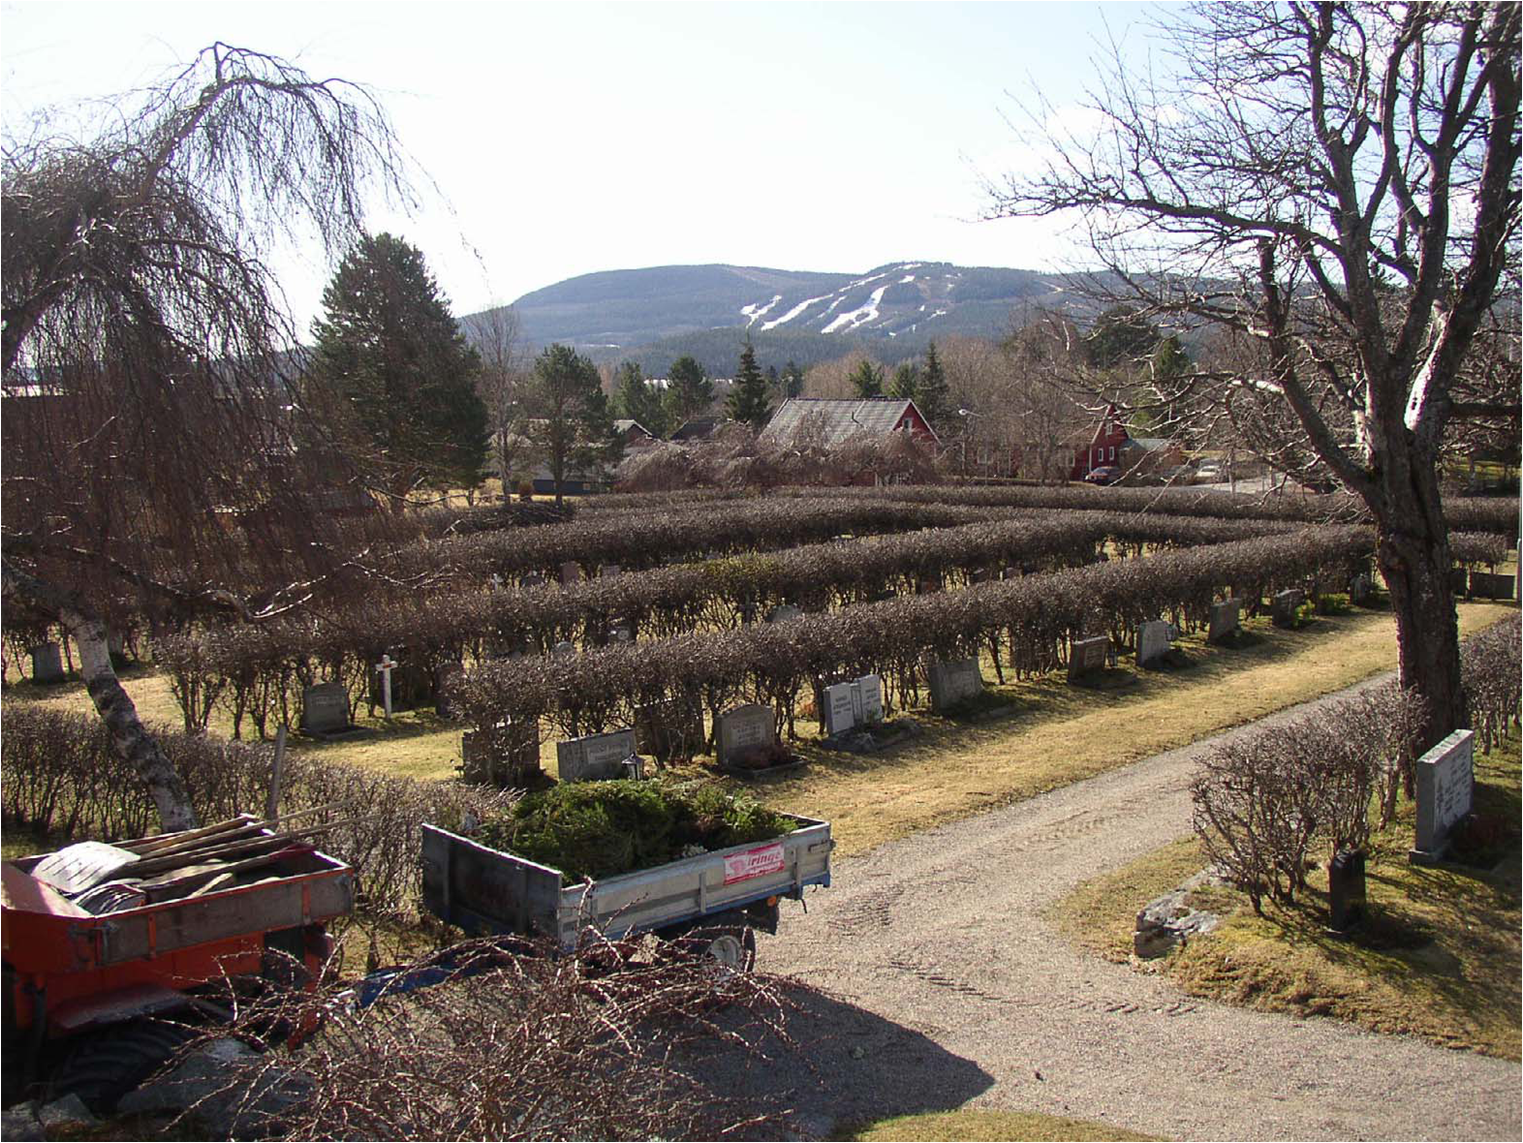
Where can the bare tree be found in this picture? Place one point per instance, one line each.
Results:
(497, 335)
(1338, 183)
(158, 459)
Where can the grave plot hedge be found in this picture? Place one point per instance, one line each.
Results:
(601, 829)
(1029, 622)
(256, 672)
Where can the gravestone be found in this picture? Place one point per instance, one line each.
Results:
(1285, 606)
(594, 756)
(1346, 890)
(533, 579)
(620, 635)
(506, 754)
(1489, 585)
(571, 572)
(565, 648)
(838, 709)
(1224, 619)
(1360, 588)
(747, 737)
(980, 575)
(867, 700)
(954, 682)
(1087, 656)
(325, 709)
(1153, 640)
(609, 569)
(669, 729)
(782, 613)
(1445, 794)
(47, 663)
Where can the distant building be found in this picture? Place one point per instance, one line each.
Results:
(1099, 447)
(839, 419)
(697, 429)
(633, 434)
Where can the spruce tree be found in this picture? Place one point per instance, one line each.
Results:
(636, 398)
(906, 382)
(689, 392)
(748, 399)
(931, 391)
(570, 418)
(867, 379)
(792, 383)
(392, 354)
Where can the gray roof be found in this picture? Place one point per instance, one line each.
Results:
(842, 418)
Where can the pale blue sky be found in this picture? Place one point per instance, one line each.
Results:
(568, 138)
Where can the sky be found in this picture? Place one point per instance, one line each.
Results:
(561, 139)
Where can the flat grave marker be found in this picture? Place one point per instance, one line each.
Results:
(954, 682)
(594, 757)
(1445, 794)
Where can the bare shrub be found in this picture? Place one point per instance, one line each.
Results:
(1490, 667)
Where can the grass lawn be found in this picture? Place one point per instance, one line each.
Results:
(1054, 734)
(1439, 957)
(989, 1125)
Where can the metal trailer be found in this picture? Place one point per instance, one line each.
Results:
(719, 897)
(84, 988)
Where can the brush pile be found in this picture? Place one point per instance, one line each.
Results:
(601, 829)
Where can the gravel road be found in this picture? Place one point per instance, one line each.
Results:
(948, 988)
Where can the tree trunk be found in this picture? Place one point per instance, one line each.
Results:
(1416, 568)
(133, 744)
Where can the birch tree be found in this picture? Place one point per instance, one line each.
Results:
(158, 460)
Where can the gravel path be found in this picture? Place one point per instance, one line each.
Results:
(951, 988)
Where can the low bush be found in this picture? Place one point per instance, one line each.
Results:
(601, 829)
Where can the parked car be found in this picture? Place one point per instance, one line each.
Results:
(1105, 474)
(1209, 472)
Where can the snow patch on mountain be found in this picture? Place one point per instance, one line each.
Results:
(859, 316)
(754, 311)
(793, 313)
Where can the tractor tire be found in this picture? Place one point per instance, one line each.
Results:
(108, 1064)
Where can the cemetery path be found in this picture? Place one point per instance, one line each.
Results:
(950, 987)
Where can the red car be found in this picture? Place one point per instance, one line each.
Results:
(1105, 474)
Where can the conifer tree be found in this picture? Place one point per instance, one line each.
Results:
(792, 381)
(390, 351)
(906, 382)
(931, 389)
(867, 379)
(748, 399)
(570, 417)
(689, 392)
(636, 398)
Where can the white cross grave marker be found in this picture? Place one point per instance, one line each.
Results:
(384, 669)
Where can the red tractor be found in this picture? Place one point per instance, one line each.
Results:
(113, 954)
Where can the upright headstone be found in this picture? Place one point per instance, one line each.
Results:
(1087, 656)
(506, 754)
(867, 700)
(1346, 890)
(839, 713)
(594, 756)
(1445, 794)
(609, 569)
(47, 663)
(1224, 619)
(565, 648)
(1360, 588)
(1286, 605)
(782, 613)
(670, 729)
(1153, 639)
(954, 682)
(620, 635)
(325, 709)
(533, 579)
(571, 572)
(747, 737)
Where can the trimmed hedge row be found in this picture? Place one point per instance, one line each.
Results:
(62, 778)
(252, 670)
(1027, 623)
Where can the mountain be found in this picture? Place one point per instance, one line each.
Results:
(653, 316)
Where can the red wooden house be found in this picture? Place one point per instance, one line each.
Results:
(1102, 447)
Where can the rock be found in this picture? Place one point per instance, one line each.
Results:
(21, 1123)
(66, 1114)
(1170, 920)
(231, 1088)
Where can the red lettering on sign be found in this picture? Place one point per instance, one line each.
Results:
(753, 863)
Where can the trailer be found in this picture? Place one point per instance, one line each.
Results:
(99, 986)
(716, 899)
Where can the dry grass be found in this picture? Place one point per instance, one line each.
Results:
(1062, 734)
(989, 1125)
(1439, 959)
